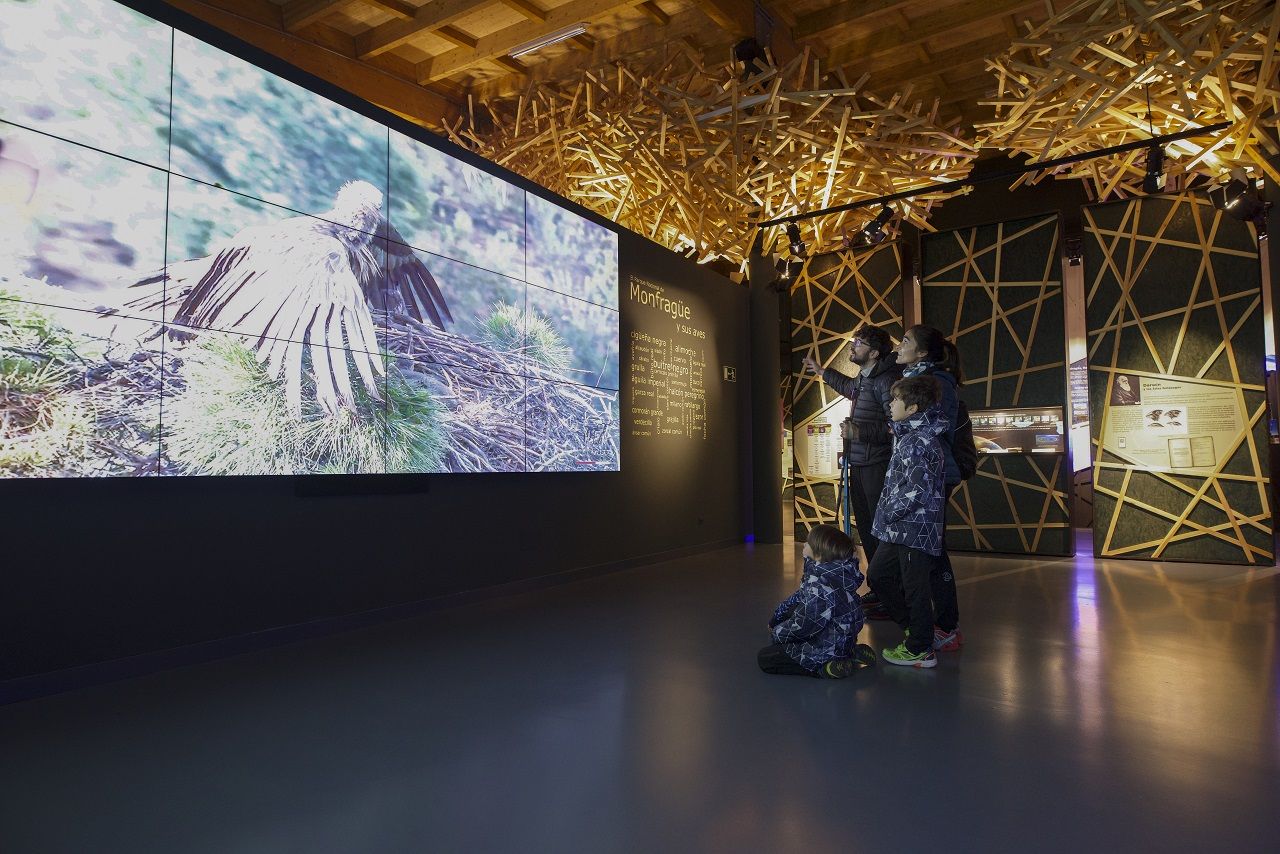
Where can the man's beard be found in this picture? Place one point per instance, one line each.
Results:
(866, 360)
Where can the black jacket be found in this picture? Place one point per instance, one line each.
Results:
(869, 392)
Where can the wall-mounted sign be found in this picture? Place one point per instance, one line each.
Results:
(1018, 430)
(822, 441)
(1171, 423)
(668, 362)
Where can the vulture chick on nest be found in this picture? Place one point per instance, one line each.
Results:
(306, 281)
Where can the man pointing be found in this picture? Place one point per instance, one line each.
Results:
(872, 440)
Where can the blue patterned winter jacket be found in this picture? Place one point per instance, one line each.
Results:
(911, 508)
(820, 621)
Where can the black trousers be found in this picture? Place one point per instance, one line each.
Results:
(865, 485)
(901, 576)
(942, 581)
(774, 659)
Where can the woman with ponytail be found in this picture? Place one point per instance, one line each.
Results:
(925, 351)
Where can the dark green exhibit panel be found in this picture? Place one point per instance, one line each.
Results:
(834, 294)
(1176, 371)
(996, 291)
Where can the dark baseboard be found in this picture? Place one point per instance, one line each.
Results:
(101, 672)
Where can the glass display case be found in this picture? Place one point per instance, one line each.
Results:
(1019, 430)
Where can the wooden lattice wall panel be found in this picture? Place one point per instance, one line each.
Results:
(1102, 72)
(996, 290)
(1176, 383)
(834, 294)
(1014, 504)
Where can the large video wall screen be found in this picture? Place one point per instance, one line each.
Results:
(206, 269)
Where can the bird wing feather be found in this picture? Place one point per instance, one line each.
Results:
(405, 274)
(288, 285)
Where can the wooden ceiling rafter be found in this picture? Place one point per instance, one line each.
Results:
(839, 14)
(503, 41)
(427, 19)
(943, 22)
(262, 24)
(298, 14)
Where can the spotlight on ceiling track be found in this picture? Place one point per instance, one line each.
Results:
(1238, 196)
(751, 55)
(787, 270)
(1074, 247)
(873, 232)
(1154, 180)
(793, 237)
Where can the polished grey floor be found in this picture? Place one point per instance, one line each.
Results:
(1099, 706)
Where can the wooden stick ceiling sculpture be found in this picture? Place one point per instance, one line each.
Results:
(693, 156)
(1105, 72)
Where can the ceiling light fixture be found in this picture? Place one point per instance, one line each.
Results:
(873, 232)
(1154, 180)
(1238, 197)
(547, 40)
(793, 237)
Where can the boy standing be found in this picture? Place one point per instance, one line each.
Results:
(909, 519)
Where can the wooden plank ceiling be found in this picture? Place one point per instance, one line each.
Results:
(423, 59)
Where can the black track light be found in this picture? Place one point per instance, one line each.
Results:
(787, 269)
(1239, 198)
(793, 237)
(1074, 247)
(751, 55)
(1154, 180)
(873, 232)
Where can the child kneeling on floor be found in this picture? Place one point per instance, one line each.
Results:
(909, 519)
(815, 631)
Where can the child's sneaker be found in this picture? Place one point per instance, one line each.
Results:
(947, 641)
(905, 657)
(836, 668)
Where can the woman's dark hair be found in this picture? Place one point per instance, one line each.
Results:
(938, 349)
(921, 391)
(829, 543)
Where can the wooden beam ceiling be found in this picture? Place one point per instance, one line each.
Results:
(839, 14)
(261, 24)
(297, 14)
(736, 17)
(428, 18)
(456, 48)
(507, 39)
(626, 43)
(943, 22)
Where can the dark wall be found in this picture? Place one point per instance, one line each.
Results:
(96, 570)
(92, 571)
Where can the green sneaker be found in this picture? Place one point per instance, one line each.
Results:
(903, 656)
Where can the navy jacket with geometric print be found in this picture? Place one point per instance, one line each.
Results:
(911, 508)
(820, 621)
